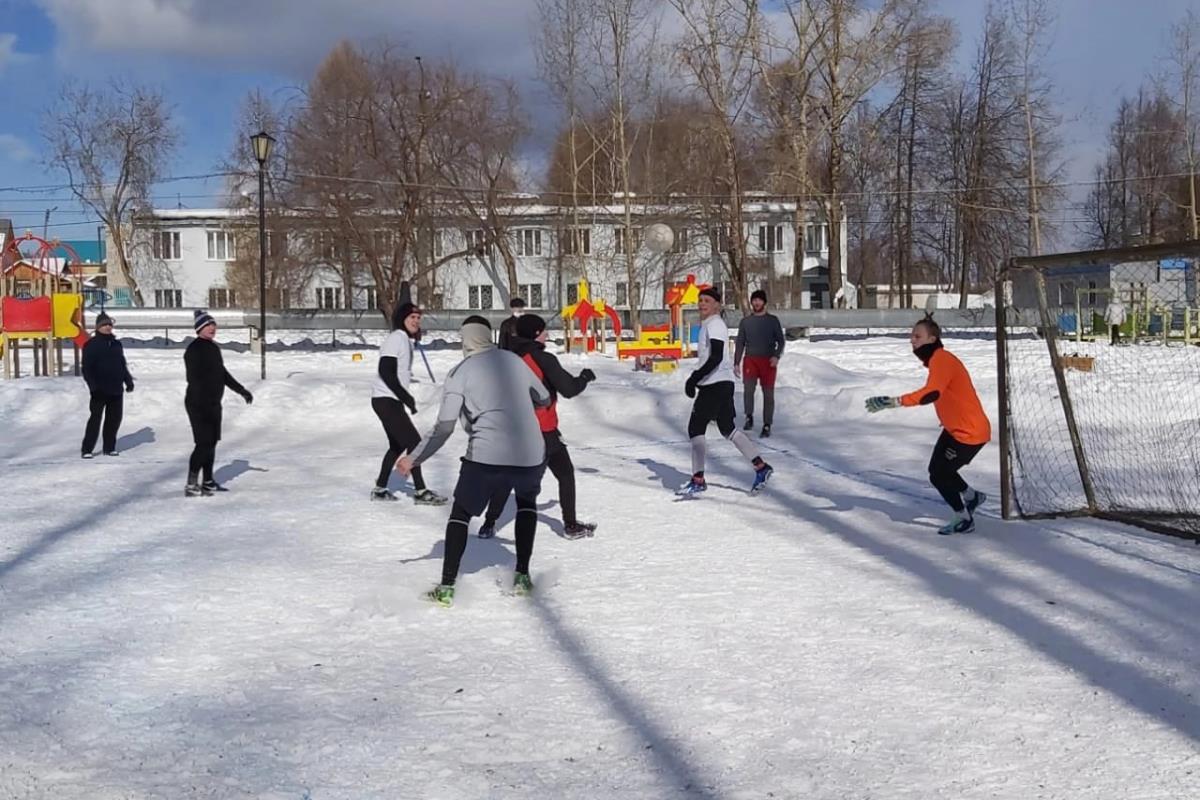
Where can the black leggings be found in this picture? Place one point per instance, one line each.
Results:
(206, 432)
(949, 456)
(558, 459)
(402, 437)
(111, 408)
(456, 537)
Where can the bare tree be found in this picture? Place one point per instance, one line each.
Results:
(1184, 80)
(113, 143)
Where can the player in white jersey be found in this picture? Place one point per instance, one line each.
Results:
(711, 384)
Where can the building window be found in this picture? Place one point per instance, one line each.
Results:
(680, 245)
(576, 242)
(439, 247)
(277, 298)
(276, 244)
(622, 293)
(477, 241)
(529, 242)
(1066, 294)
(329, 298)
(816, 238)
(720, 239)
(166, 245)
(531, 293)
(627, 240)
(480, 297)
(572, 293)
(168, 298)
(221, 246)
(770, 238)
(372, 297)
(221, 298)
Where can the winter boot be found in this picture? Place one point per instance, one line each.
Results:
(381, 493)
(428, 497)
(441, 594)
(522, 585)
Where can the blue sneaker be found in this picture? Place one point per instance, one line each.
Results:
(695, 486)
(761, 476)
(958, 525)
(975, 502)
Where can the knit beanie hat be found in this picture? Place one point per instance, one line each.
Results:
(712, 292)
(103, 319)
(402, 313)
(530, 326)
(203, 319)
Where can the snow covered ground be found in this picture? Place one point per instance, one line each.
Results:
(819, 641)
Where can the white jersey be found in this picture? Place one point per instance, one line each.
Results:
(399, 346)
(714, 329)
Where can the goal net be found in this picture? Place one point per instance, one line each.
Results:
(1099, 362)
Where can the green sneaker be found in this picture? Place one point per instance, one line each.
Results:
(522, 586)
(441, 594)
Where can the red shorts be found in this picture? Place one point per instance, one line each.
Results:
(759, 367)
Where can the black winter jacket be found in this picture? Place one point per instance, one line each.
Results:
(206, 374)
(104, 367)
(508, 332)
(554, 377)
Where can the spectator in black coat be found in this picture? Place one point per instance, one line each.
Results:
(206, 382)
(508, 328)
(106, 374)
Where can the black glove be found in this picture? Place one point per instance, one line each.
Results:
(588, 375)
(129, 386)
(249, 398)
(689, 388)
(411, 405)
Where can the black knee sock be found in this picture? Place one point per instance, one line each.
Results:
(456, 543)
(526, 528)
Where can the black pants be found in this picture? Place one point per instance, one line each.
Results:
(558, 460)
(477, 484)
(949, 456)
(402, 437)
(205, 419)
(1115, 332)
(714, 403)
(111, 407)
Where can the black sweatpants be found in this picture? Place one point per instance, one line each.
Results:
(402, 437)
(1115, 333)
(205, 419)
(558, 460)
(477, 484)
(949, 456)
(111, 407)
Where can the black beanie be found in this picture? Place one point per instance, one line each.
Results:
(530, 326)
(712, 292)
(759, 294)
(203, 319)
(103, 319)
(401, 313)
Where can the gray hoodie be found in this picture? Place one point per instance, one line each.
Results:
(493, 392)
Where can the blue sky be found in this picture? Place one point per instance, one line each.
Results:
(206, 54)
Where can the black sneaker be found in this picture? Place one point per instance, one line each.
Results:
(428, 497)
(578, 530)
(749, 426)
(111, 453)
(487, 530)
(212, 487)
(379, 493)
(766, 432)
(193, 490)
(87, 455)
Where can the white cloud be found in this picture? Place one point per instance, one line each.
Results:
(14, 148)
(293, 35)
(8, 51)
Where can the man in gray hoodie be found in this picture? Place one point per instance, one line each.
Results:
(493, 393)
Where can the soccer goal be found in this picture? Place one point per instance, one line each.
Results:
(1099, 384)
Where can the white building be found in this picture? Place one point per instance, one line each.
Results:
(183, 257)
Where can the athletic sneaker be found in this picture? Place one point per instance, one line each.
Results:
(578, 530)
(111, 453)
(521, 584)
(749, 426)
(695, 486)
(761, 476)
(212, 487)
(428, 497)
(766, 432)
(975, 502)
(958, 525)
(441, 594)
(193, 490)
(87, 455)
(379, 493)
(487, 530)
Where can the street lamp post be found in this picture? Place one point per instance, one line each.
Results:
(262, 142)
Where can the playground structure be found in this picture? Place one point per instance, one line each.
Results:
(1145, 321)
(40, 307)
(660, 345)
(591, 317)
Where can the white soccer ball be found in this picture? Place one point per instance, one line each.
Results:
(659, 238)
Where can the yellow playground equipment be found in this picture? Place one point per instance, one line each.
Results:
(40, 307)
(660, 346)
(590, 316)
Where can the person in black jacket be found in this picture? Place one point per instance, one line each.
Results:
(105, 372)
(508, 328)
(206, 382)
(529, 342)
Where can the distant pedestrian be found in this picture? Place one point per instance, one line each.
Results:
(760, 338)
(1114, 315)
(106, 374)
(206, 382)
(508, 328)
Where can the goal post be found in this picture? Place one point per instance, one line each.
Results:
(1093, 424)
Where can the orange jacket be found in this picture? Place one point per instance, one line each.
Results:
(953, 395)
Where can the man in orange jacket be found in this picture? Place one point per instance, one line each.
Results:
(965, 426)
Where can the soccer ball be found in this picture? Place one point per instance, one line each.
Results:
(659, 238)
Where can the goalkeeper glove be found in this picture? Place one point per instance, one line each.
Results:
(880, 403)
